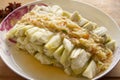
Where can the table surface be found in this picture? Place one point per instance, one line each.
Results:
(111, 7)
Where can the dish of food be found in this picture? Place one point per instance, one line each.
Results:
(61, 38)
(67, 40)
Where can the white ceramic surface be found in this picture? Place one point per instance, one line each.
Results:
(28, 67)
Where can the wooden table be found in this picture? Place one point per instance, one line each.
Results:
(111, 7)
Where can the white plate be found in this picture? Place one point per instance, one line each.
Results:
(28, 67)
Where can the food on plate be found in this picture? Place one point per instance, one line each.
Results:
(63, 39)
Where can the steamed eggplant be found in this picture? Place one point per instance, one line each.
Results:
(79, 58)
(66, 53)
(91, 70)
(58, 53)
(41, 36)
(52, 45)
